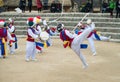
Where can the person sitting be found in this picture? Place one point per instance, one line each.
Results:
(22, 5)
(53, 7)
(58, 7)
(87, 7)
(111, 7)
(104, 6)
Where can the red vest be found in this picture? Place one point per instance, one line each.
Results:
(65, 37)
(29, 38)
(13, 33)
(3, 33)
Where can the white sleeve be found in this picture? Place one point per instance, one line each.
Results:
(44, 22)
(32, 34)
(9, 36)
(39, 29)
(69, 34)
(51, 32)
(11, 29)
(36, 32)
(74, 35)
(93, 25)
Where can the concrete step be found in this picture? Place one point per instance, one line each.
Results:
(57, 37)
(106, 25)
(115, 40)
(113, 35)
(107, 34)
(54, 14)
(101, 29)
(21, 32)
(108, 29)
(94, 19)
(73, 23)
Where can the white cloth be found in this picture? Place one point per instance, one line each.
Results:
(11, 29)
(76, 44)
(69, 34)
(12, 48)
(31, 46)
(39, 29)
(91, 39)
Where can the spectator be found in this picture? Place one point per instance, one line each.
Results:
(88, 7)
(39, 5)
(45, 3)
(58, 7)
(22, 5)
(118, 9)
(104, 6)
(53, 7)
(111, 7)
(30, 5)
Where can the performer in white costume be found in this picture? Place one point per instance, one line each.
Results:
(37, 21)
(11, 29)
(31, 36)
(93, 35)
(4, 36)
(74, 41)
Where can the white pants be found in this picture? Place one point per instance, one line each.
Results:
(12, 48)
(50, 40)
(76, 44)
(30, 50)
(103, 38)
(91, 41)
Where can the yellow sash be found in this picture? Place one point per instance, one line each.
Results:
(66, 43)
(5, 47)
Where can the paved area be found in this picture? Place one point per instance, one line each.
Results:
(57, 64)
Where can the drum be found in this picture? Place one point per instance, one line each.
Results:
(44, 36)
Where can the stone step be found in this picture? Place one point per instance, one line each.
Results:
(108, 29)
(21, 32)
(57, 37)
(101, 29)
(106, 25)
(75, 19)
(107, 34)
(113, 35)
(54, 14)
(64, 18)
(115, 40)
(73, 23)
(98, 19)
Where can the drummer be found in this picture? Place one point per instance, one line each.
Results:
(37, 21)
(50, 30)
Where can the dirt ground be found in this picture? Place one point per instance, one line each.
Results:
(57, 64)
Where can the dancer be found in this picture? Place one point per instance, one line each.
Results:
(51, 31)
(74, 41)
(31, 45)
(11, 29)
(4, 36)
(92, 36)
(37, 21)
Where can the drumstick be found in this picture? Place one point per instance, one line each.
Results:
(81, 20)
